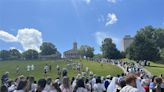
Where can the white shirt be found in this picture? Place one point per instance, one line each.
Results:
(19, 91)
(28, 68)
(139, 86)
(99, 87)
(129, 88)
(33, 86)
(32, 67)
(17, 68)
(81, 89)
(87, 69)
(47, 88)
(12, 88)
(93, 81)
(162, 85)
(46, 68)
(53, 90)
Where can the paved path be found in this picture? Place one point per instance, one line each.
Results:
(122, 68)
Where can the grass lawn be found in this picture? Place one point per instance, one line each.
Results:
(156, 69)
(95, 67)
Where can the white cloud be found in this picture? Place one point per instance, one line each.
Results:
(111, 19)
(100, 36)
(7, 37)
(28, 38)
(87, 1)
(112, 1)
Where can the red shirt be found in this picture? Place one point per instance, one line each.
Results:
(146, 88)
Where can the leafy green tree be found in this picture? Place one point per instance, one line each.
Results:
(14, 54)
(4, 54)
(30, 54)
(159, 38)
(48, 48)
(130, 52)
(87, 51)
(109, 49)
(122, 54)
(98, 56)
(144, 47)
(162, 53)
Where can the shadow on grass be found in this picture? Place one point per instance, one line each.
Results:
(157, 66)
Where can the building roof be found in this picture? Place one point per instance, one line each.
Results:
(71, 51)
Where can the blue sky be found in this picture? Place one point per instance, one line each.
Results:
(26, 24)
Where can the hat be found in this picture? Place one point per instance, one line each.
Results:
(57, 80)
(108, 76)
(6, 72)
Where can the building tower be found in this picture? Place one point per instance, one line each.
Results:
(75, 46)
(127, 41)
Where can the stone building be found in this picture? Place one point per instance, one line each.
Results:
(72, 53)
(127, 41)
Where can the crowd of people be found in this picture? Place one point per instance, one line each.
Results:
(134, 80)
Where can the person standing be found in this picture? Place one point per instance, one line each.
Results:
(41, 85)
(65, 86)
(158, 81)
(46, 70)
(64, 73)
(131, 84)
(28, 68)
(32, 67)
(80, 86)
(99, 86)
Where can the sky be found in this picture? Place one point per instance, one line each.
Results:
(26, 24)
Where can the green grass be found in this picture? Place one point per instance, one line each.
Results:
(156, 69)
(95, 67)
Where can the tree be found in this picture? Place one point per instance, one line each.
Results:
(87, 51)
(144, 47)
(109, 49)
(30, 54)
(14, 54)
(159, 37)
(48, 48)
(162, 53)
(122, 54)
(98, 56)
(4, 55)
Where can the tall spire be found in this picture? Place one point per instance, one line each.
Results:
(75, 46)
